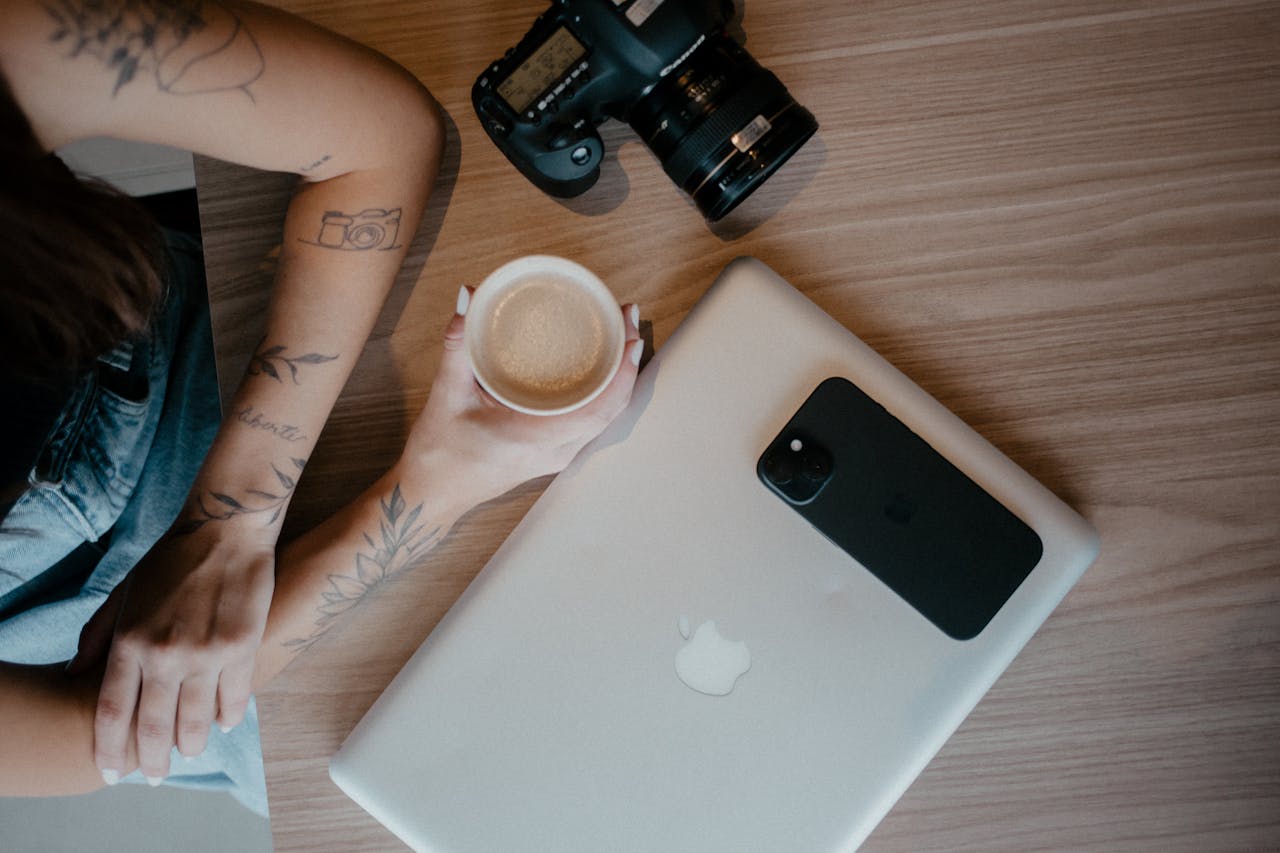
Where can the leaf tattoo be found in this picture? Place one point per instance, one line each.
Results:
(220, 506)
(400, 537)
(272, 360)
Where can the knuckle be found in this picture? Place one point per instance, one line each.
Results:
(165, 670)
(110, 711)
(243, 646)
(236, 639)
(153, 652)
(130, 645)
(152, 730)
(192, 728)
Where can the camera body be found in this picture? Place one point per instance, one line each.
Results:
(695, 97)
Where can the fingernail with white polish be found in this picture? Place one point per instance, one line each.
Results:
(637, 349)
(110, 777)
(635, 316)
(154, 781)
(225, 728)
(464, 301)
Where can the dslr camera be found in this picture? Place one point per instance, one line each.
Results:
(718, 121)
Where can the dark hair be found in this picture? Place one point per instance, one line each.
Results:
(78, 259)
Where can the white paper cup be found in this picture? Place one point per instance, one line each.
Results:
(544, 335)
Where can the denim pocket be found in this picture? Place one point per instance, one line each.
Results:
(114, 443)
(94, 458)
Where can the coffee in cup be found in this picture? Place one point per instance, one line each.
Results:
(544, 335)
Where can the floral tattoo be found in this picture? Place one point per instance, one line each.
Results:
(401, 537)
(189, 47)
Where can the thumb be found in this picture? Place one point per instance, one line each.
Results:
(453, 331)
(454, 363)
(95, 636)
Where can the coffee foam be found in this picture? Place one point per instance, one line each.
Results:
(546, 337)
(545, 341)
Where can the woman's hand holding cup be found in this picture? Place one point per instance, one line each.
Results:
(469, 441)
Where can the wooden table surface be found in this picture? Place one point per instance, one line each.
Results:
(1061, 219)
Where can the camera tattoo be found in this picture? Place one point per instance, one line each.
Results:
(189, 47)
(272, 359)
(374, 228)
(218, 506)
(402, 539)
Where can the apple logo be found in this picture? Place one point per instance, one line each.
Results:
(708, 662)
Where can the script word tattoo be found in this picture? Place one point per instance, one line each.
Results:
(189, 47)
(374, 228)
(272, 360)
(219, 506)
(400, 539)
(317, 164)
(252, 418)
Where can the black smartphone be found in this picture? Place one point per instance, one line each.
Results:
(902, 510)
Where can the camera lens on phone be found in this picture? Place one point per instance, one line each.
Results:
(816, 467)
(780, 468)
(721, 124)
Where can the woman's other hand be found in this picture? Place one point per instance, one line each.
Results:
(182, 630)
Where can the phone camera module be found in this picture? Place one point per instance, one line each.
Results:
(796, 467)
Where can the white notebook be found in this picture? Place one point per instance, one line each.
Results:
(744, 619)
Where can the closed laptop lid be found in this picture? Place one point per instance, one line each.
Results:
(673, 651)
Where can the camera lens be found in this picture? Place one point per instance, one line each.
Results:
(721, 124)
(816, 466)
(780, 468)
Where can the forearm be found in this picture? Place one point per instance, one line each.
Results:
(343, 244)
(47, 717)
(334, 568)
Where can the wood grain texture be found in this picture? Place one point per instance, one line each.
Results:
(1062, 220)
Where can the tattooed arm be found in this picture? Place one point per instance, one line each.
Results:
(463, 450)
(48, 716)
(253, 85)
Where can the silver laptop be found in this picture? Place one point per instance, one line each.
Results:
(744, 619)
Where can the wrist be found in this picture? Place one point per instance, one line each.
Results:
(250, 515)
(444, 482)
(248, 499)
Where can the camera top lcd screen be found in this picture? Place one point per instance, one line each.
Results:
(549, 63)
